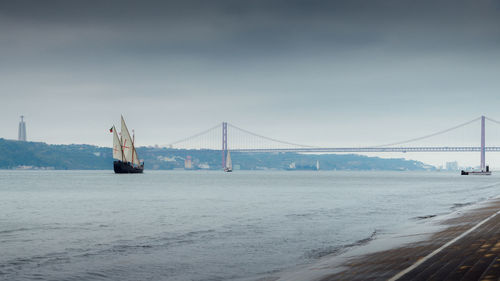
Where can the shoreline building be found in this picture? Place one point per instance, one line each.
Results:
(452, 166)
(21, 134)
(188, 164)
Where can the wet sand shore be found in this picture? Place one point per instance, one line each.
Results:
(467, 248)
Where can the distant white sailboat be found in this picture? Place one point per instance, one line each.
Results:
(229, 164)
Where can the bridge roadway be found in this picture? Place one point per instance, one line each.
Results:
(375, 149)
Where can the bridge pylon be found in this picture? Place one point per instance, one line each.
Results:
(224, 144)
(483, 141)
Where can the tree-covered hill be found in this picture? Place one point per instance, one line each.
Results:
(41, 155)
(38, 155)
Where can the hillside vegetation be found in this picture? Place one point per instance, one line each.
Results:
(38, 155)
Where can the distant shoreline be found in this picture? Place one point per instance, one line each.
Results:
(42, 156)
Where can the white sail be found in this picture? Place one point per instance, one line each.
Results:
(129, 152)
(127, 145)
(135, 158)
(117, 146)
(229, 164)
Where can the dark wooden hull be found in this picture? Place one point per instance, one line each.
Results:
(474, 173)
(127, 168)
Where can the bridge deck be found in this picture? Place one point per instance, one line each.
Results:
(474, 256)
(373, 149)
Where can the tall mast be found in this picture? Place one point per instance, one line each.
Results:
(121, 146)
(121, 139)
(133, 147)
(126, 142)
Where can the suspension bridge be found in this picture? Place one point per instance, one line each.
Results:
(227, 137)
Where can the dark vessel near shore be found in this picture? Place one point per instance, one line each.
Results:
(485, 172)
(124, 153)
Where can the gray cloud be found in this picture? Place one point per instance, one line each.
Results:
(185, 65)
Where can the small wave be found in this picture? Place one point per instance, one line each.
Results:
(318, 253)
(145, 243)
(97, 274)
(8, 231)
(49, 258)
(121, 248)
(87, 275)
(424, 217)
(316, 212)
(40, 228)
(461, 205)
(186, 237)
(303, 215)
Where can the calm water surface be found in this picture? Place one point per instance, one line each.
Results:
(193, 225)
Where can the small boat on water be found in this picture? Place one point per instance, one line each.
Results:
(229, 164)
(124, 153)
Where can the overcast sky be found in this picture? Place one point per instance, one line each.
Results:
(327, 73)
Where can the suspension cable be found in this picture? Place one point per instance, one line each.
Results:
(310, 146)
(195, 135)
(270, 139)
(492, 120)
(433, 134)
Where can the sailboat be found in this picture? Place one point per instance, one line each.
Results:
(229, 164)
(125, 156)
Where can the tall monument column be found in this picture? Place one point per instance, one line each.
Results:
(21, 134)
